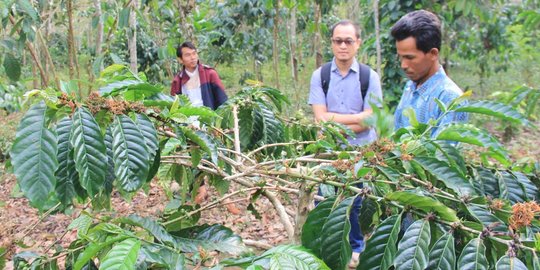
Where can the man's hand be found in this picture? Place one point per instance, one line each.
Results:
(354, 121)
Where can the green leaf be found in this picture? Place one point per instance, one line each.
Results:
(131, 156)
(335, 248)
(499, 110)
(293, 257)
(203, 140)
(411, 115)
(163, 257)
(33, 156)
(451, 155)
(90, 151)
(488, 182)
(470, 134)
(12, 66)
(413, 248)
(92, 249)
(150, 225)
(473, 256)
(369, 212)
(510, 263)
(390, 173)
(150, 137)
(140, 91)
(451, 177)
(487, 219)
(81, 224)
(381, 246)
(531, 191)
(66, 175)
(215, 237)
(423, 203)
(272, 129)
(195, 156)
(245, 122)
(27, 7)
(443, 254)
(123, 20)
(511, 188)
(203, 113)
(109, 177)
(123, 255)
(312, 229)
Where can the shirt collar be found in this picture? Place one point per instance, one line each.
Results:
(355, 67)
(440, 74)
(190, 74)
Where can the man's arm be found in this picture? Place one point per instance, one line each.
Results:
(219, 90)
(354, 121)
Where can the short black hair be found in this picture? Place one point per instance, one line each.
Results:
(346, 22)
(423, 25)
(187, 44)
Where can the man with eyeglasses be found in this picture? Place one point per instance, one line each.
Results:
(342, 100)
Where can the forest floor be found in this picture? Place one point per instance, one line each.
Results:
(23, 228)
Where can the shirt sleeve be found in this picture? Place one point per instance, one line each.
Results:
(316, 93)
(374, 92)
(219, 90)
(175, 85)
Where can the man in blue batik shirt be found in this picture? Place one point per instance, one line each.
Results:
(345, 104)
(418, 43)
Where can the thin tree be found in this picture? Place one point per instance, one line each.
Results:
(186, 6)
(293, 42)
(317, 38)
(377, 34)
(132, 36)
(99, 28)
(72, 51)
(275, 43)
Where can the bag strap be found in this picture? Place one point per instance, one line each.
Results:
(325, 77)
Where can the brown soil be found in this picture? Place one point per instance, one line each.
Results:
(23, 228)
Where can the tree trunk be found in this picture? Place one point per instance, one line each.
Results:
(50, 64)
(35, 57)
(188, 33)
(317, 38)
(275, 44)
(132, 38)
(377, 35)
(305, 201)
(354, 11)
(72, 51)
(292, 44)
(99, 36)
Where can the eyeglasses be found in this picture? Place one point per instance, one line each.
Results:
(338, 41)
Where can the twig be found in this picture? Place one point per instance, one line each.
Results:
(46, 214)
(257, 244)
(236, 132)
(278, 144)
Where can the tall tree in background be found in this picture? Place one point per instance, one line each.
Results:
(186, 7)
(377, 34)
(72, 51)
(132, 36)
(317, 38)
(275, 43)
(291, 27)
(99, 28)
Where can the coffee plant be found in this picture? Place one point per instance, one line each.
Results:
(454, 200)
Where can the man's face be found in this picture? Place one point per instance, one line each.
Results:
(417, 65)
(189, 58)
(344, 43)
